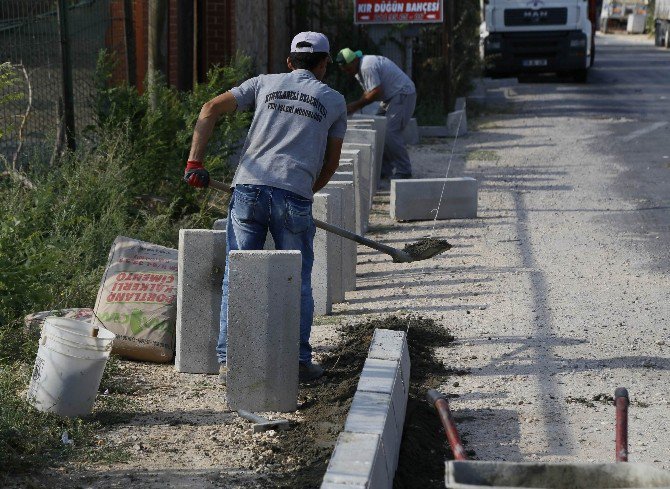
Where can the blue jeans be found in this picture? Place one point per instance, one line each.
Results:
(253, 210)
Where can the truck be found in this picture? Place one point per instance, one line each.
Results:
(614, 14)
(662, 23)
(521, 36)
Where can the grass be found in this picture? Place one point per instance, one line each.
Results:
(31, 439)
(124, 179)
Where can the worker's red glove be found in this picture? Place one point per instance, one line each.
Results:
(196, 175)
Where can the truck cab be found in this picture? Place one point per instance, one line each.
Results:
(521, 36)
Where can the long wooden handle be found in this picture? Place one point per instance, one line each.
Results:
(396, 254)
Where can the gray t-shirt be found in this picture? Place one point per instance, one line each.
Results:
(294, 116)
(379, 71)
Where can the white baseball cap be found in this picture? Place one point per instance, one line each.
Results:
(318, 43)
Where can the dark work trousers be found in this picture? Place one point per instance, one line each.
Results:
(398, 111)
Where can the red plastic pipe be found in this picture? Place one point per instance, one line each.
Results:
(621, 401)
(441, 404)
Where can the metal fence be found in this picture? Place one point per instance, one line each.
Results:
(30, 41)
(418, 49)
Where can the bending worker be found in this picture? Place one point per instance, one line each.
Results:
(381, 79)
(291, 151)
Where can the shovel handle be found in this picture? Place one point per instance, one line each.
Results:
(396, 254)
(440, 403)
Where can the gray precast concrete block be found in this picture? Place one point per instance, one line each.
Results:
(419, 199)
(323, 260)
(201, 263)
(346, 165)
(362, 165)
(349, 251)
(263, 330)
(372, 412)
(334, 485)
(356, 155)
(478, 93)
(457, 124)
(358, 459)
(220, 224)
(385, 377)
(342, 176)
(460, 104)
(360, 123)
(335, 254)
(388, 344)
(411, 132)
(367, 136)
(380, 122)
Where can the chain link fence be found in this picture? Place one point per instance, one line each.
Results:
(30, 41)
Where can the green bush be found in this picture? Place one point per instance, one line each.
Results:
(124, 179)
(8, 80)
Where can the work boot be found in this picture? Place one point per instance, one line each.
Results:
(223, 373)
(309, 372)
(402, 176)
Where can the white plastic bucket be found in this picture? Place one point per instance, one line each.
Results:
(69, 365)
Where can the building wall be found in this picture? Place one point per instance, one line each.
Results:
(251, 31)
(260, 29)
(217, 38)
(280, 35)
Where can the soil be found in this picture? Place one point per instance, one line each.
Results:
(325, 406)
(205, 445)
(427, 248)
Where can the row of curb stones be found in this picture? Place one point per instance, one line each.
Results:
(366, 452)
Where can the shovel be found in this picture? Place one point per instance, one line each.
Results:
(421, 250)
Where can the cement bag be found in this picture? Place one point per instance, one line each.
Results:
(35, 320)
(137, 299)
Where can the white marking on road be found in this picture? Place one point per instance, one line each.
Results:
(645, 130)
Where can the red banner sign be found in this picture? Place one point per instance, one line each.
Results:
(397, 12)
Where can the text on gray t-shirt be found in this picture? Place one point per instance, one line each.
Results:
(294, 116)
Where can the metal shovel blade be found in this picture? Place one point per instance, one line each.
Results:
(426, 248)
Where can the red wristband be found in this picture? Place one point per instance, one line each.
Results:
(193, 165)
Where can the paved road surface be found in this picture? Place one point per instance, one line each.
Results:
(559, 292)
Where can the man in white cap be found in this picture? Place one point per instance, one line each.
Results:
(382, 80)
(291, 151)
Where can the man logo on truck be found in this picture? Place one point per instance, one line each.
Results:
(535, 15)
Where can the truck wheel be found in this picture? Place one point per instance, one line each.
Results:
(580, 76)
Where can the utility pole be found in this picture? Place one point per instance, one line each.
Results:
(196, 47)
(66, 75)
(129, 32)
(448, 54)
(155, 31)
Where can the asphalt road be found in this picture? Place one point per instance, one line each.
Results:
(559, 291)
(582, 174)
(629, 84)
